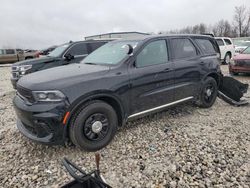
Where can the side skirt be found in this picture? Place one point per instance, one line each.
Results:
(159, 107)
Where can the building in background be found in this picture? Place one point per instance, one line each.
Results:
(124, 35)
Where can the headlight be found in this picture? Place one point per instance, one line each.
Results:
(48, 96)
(24, 68)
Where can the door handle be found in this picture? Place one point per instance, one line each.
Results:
(167, 70)
(202, 62)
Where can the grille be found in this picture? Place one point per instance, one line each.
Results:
(15, 74)
(25, 93)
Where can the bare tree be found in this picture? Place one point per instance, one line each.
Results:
(240, 17)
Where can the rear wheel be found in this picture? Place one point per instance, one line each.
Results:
(227, 58)
(93, 126)
(208, 93)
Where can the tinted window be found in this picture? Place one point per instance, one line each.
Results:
(183, 48)
(10, 51)
(78, 49)
(154, 53)
(206, 46)
(1, 52)
(227, 41)
(220, 42)
(95, 45)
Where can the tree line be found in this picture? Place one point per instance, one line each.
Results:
(238, 27)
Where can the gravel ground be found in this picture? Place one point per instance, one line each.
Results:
(182, 147)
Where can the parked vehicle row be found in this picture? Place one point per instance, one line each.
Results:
(240, 63)
(11, 55)
(121, 80)
(67, 53)
(227, 49)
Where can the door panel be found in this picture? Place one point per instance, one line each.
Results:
(187, 67)
(187, 77)
(152, 79)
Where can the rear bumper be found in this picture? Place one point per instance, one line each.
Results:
(239, 69)
(41, 122)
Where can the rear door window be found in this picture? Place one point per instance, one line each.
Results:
(228, 42)
(220, 42)
(154, 53)
(206, 45)
(95, 45)
(10, 51)
(78, 49)
(183, 48)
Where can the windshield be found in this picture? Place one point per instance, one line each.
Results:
(58, 51)
(242, 43)
(246, 51)
(111, 53)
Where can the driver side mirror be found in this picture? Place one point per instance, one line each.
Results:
(68, 57)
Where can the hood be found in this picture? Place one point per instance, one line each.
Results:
(242, 57)
(62, 77)
(45, 59)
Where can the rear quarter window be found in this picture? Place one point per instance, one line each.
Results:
(207, 46)
(228, 42)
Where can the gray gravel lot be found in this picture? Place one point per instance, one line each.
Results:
(184, 146)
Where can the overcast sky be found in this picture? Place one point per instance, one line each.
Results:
(39, 24)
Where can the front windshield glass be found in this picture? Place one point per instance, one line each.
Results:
(58, 51)
(111, 53)
(246, 51)
(242, 43)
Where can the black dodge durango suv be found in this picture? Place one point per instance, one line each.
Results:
(121, 80)
(72, 52)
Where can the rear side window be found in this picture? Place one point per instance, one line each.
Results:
(183, 48)
(220, 42)
(228, 42)
(206, 46)
(78, 49)
(95, 45)
(152, 54)
(1, 52)
(10, 51)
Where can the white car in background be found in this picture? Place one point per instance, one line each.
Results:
(227, 49)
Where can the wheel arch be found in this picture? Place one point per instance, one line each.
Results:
(109, 98)
(214, 75)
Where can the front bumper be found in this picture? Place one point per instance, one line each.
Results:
(239, 69)
(41, 122)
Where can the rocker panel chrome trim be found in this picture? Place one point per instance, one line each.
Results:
(160, 107)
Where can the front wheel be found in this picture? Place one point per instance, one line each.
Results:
(93, 126)
(208, 93)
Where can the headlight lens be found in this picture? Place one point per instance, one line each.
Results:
(24, 68)
(48, 96)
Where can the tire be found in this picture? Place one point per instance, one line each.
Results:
(227, 58)
(233, 73)
(93, 126)
(208, 93)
